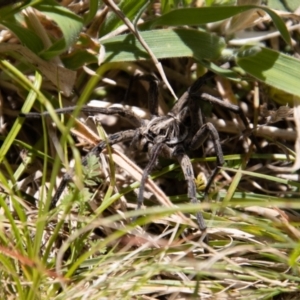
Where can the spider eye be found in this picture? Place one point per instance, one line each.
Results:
(162, 131)
(151, 135)
(182, 129)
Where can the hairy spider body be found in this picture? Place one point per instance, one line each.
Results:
(168, 130)
(181, 130)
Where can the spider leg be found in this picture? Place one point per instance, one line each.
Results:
(188, 173)
(183, 100)
(199, 138)
(111, 140)
(152, 159)
(92, 110)
(152, 93)
(192, 94)
(153, 97)
(234, 108)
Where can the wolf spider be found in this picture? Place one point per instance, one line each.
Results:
(184, 128)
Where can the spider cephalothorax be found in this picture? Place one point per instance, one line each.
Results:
(183, 129)
(167, 129)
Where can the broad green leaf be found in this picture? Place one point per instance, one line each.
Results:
(69, 23)
(129, 8)
(56, 49)
(26, 36)
(85, 52)
(271, 67)
(13, 20)
(165, 43)
(78, 58)
(287, 5)
(203, 15)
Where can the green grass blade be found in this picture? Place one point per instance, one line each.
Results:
(7, 11)
(93, 8)
(129, 8)
(25, 36)
(264, 176)
(9, 215)
(32, 149)
(19, 121)
(69, 23)
(22, 80)
(165, 43)
(271, 67)
(203, 15)
(10, 270)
